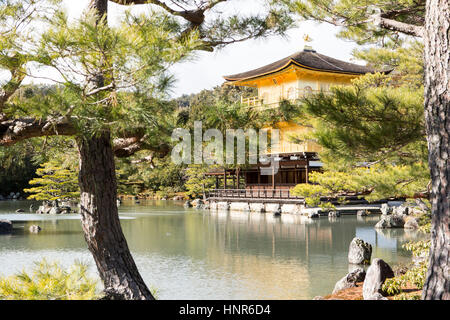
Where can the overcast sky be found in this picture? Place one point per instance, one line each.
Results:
(207, 69)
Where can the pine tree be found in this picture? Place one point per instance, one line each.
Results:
(55, 182)
(378, 22)
(114, 79)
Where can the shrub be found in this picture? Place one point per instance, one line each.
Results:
(48, 281)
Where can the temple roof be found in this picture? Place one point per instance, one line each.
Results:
(307, 59)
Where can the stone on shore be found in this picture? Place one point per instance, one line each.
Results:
(391, 221)
(334, 214)
(20, 210)
(35, 229)
(376, 274)
(361, 213)
(359, 252)
(6, 227)
(385, 209)
(187, 204)
(350, 280)
(411, 223)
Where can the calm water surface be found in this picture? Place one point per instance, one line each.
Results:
(191, 254)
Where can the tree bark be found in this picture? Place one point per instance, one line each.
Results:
(437, 115)
(99, 213)
(100, 221)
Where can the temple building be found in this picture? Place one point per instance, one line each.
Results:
(305, 72)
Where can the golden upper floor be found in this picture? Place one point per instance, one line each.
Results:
(293, 77)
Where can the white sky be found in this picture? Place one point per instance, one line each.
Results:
(207, 69)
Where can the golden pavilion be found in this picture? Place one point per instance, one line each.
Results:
(305, 72)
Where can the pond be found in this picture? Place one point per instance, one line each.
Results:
(194, 254)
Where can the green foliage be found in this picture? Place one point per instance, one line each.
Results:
(197, 183)
(312, 193)
(355, 17)
(49, 281)
(55, 182)
(415, 275)
(372, 132)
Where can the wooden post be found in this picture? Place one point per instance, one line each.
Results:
(307, 171)
(273, 177)
(217, 182)
(224, 179)
(238, 178)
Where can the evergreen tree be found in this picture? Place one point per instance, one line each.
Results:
(100, 65)
(55, 182)
(377, 22)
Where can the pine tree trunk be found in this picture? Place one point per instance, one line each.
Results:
(99, 213)
(437, 115)
(100, 221)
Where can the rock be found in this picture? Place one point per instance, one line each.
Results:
(377, 273)
(376, 296)
(395, 221)
(350, 280)
(318, 298)
(55, 210)
(35, 229)
(334, 214)
(118, 202)
(31, 208)
(361, 213)
(411, 223)
(187, 204)
(313, 214)
(206, 205)
(359, 252)
(199, 205)
(65, 209)
(382, 224)
(401, 210)
(391, 221)
(277, 213)
(177, 198)
(385, 209)
(5, 226)
(20, 210)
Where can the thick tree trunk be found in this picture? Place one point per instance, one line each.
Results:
(100, 221)
(437, 114)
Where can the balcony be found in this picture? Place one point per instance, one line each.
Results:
(292, 95)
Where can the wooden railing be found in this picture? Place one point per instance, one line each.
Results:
(252, 194)
(297, 94)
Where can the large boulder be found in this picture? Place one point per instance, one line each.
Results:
(385, 209)
(350, 280)
(359, 252)
(376, 274)
(411, 223)
(402, 210)
(5, 226)
(391, 221)
(55, 210)
(334, 213)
